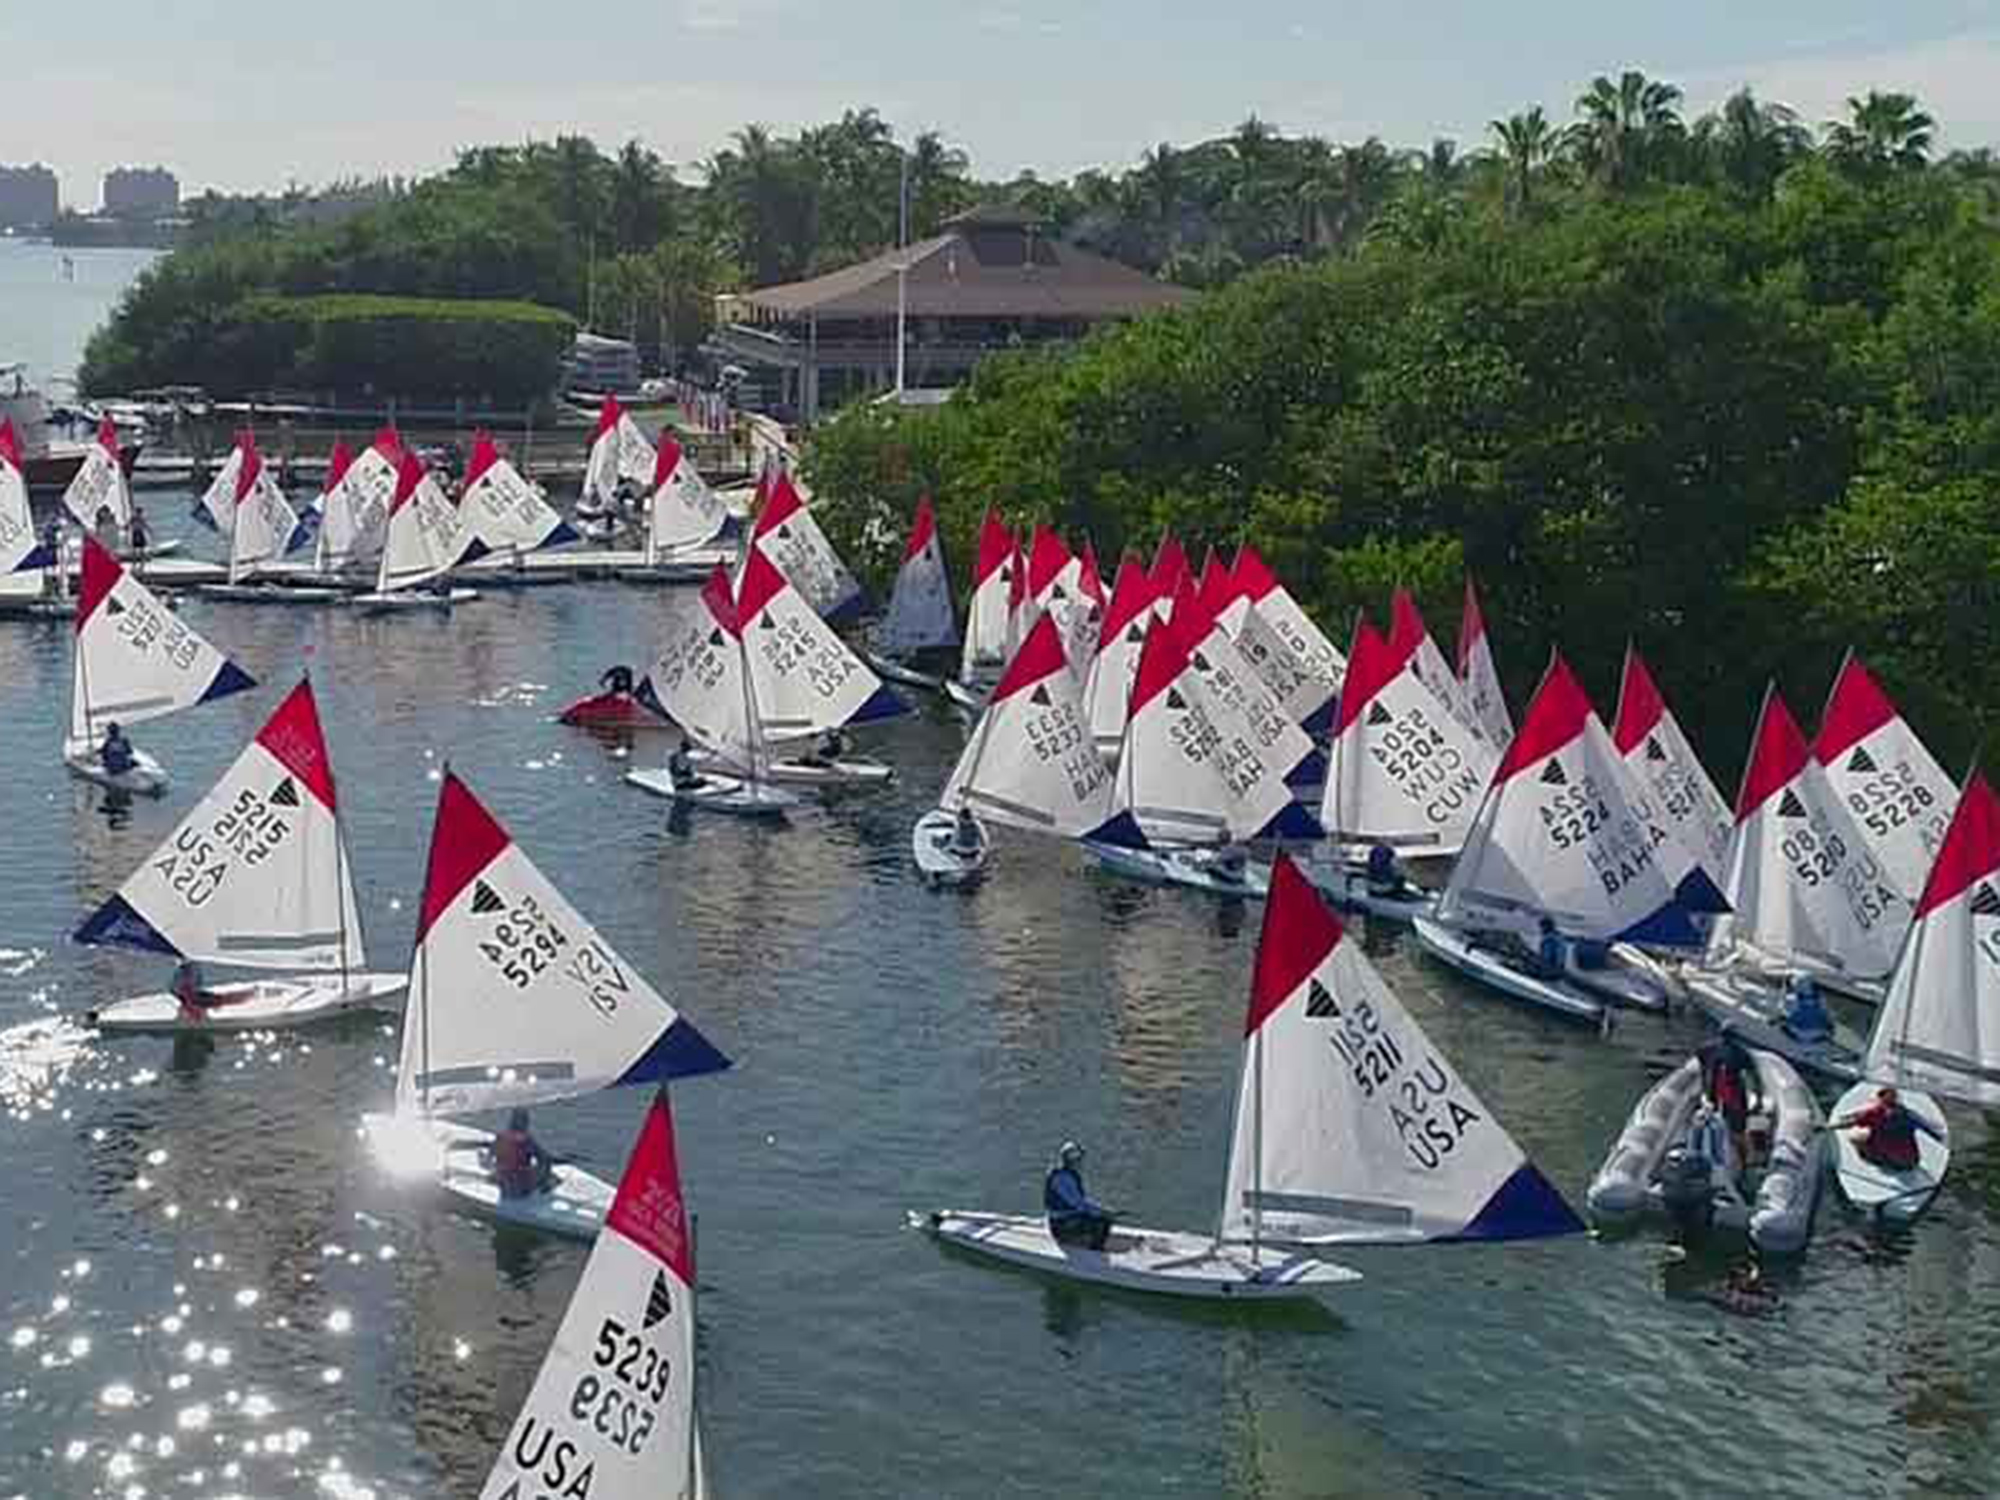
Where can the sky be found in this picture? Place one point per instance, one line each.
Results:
(247, 96)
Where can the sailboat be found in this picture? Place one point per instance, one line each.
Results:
(703, 682)
(354, 509)
(255, 877)
(1933, 1034)
(1202, 767)
(514, 1000)
(1402, 774)
(1478, 676)
(1055, 587)
(920, 617)
(611, 1415)
(1658, 754)
(24, 558)
(1563, 837)
(1029, 764)
(1412, 639)
(422, 542)
(1168, 572)
(101, 490)
(685, 519)
(1281, 641)
(619, 458)
(505, 514)
(246, 504)
(786, 533)
(988, 642)
(1107, 684)
(1350, 1129)
(135, 660)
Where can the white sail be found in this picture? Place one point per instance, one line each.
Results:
(354, 506)
(1351, 1126)
(425, 539)
(1030, 763)
(1280, 640)
(920, 615)
(1565, 833)
(1801, 883)
(1893, 789)
(1932, 1032)
(1401, 770)
(611, 1414)
(501, 510)
(514, 998)
(803, 678)
(1195, 767)
(1169, 571)
(787, 534)
(135, 658)
(1229, 676)
(100, 484)
(700, 678)
(986, 645)
(20, 547)
(256, 875)
(1412, 638)
(263, 526)
(682, 510)
(1660, 758)
(1107, 688)
(618, 451)
(216, 509)
(1479, 677)
(1055, 588)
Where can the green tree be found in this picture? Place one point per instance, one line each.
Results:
(1882, 131)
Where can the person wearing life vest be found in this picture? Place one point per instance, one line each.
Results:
(827, 750)
(1806, 1017)
(116, 754)
(190, 993)
(1385, 873)
(681, 771)
(967, 836)
(617, 681)
(1552, 949)
(1725, 1083)
(1892, 1130)
(520, 1166)
(1073, 1218)
(1232, 864)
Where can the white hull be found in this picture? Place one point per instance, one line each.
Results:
(968, 696)
(1494, 970)
(1141, 1260)
(147, 778)
(406, 599)
(268, 593)
(1193, 868)
(1756, 1010)
(254, 1005)
(448, 1157)
(1890, 1196)
(890, 670)
(724, 794)
(800, 772)
(938, 860)
(1348, 889)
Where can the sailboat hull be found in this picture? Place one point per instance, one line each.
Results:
(938, 856)
(450, 1158)
(1142, 1260)
(1891, 1196)
(1193, 868)
(254, 1005)
(1491, 968)
(1348, 888)
(146, 778)
(890, 670)
(1756, 1012)
(397, 600)
(724, 794)
(800, 772)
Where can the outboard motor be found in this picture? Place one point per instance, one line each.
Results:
(1687, 1189)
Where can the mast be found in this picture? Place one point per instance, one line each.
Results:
(1256, 1144)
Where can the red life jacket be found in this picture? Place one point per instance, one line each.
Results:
(513, 1162)
(1892, 1137)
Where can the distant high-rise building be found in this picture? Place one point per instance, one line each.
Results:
(141, 192)
(27, 197)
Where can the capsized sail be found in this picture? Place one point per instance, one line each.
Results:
(354, 506)
(1030, 763)
(1893, 789)
(514, 998)
(611, 1414)
(20, 548)
(618, 451)
(501, 510)
(1401, 770)
(1280, 640)
(425, 538)
(788, 535)
(1566, 833)
(1478, 677)
(1107, 689)
(1658, 754)
(100, 484)
(1802, 884)
(1351, 1126)
(986, 645)
(1933, 1031)
(803, 678)
(682, 510)
(256, 874)
(135, 658)
(920, 616)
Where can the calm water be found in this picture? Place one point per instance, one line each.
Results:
(45, 316)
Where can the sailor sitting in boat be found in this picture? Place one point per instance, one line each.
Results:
(827, 750)
(190, 993)
(1552, 949)
(681, 771)
(1073, 1218)
(1231, 864)
(1385, 872)
(966, 834)
(617, 681)
(116, 754)
(142, 531)
(1806, 1017)
(521, 1167)
(1891, 1139)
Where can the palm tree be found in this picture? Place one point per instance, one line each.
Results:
(938, 184)
(1160, 187)
(1527, 143)
(1750, 144)
(1319, 188)
(1881, 131)
(1625, 128)
(639, 203)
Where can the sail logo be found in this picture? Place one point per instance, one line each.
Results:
(1789, 805)
(659, 1301)
(1378, 716)
(1986, 901)
(1553, 774)
(1654, 750)
(1861, 762)
(1320, 1004)
(485, 900)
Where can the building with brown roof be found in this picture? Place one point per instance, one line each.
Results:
(993, 279)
